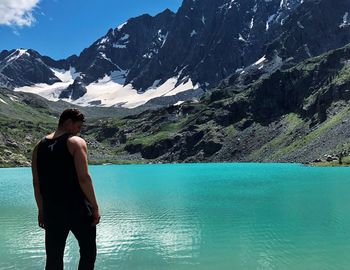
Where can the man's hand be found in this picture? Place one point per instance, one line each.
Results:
(95, 217)
(41, 220)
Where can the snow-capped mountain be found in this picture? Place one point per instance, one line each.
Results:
(185, 52)
(315, 27)
(210, 39)
(25, 67)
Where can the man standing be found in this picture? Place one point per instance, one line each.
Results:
(64, 192)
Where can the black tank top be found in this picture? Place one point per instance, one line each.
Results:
(59, 186)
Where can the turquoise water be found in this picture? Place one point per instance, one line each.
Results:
(195, 216)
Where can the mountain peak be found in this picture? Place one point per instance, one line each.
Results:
(203, 43)
(166, 11)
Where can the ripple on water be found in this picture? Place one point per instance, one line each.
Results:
(205, 216)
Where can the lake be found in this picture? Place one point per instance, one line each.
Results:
(195, 216)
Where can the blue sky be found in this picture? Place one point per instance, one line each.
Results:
(60, 28)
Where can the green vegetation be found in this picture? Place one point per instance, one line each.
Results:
(230, 131)
(334, 163)
(300, 102)
(303, 140)
(119, 162)
(166, 131)
(13, 110)
(343, 76)
(290, 122)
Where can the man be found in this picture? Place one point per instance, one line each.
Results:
(64, 192)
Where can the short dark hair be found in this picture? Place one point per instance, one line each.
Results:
(74, 114)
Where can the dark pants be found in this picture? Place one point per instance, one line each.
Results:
(56, 233)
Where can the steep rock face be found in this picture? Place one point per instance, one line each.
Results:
(121, 48)
(307, 89)
(210, 39)
(25, 67)
(203, 43)
(287, 111)
(315, 27)
(75, 90)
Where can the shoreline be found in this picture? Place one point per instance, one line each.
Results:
(144, 162)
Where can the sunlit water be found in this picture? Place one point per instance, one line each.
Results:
(195, 216)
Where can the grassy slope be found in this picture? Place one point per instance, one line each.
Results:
(287, 137)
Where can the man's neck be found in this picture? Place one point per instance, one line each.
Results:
(59, 131)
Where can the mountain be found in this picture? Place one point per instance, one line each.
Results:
(26, 67)
(231, 80)
(315, 27)
(210, 39)
(297, 114)
(149, 58)
(25, 118)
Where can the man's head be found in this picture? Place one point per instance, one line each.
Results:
(71, 120)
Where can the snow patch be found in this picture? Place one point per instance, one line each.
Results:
(179, 103)
(300, 25)
(119, 46)
(15, 55)
(52, 92)
(282, 3)
(230, 6)
(3, 101)
(269, 20)
(66, 75)
(165, 37)
(125, 37)
(260, 61)
(162, 37)
(255, 8)
(13, 98)
(346, 21)
(241, 38)
(307, 50)
(121, 43)
(111, 91)
(251, 23)
(121, 26)
(103, 40)
(227, 6)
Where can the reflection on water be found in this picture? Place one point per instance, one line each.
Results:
(195, 216)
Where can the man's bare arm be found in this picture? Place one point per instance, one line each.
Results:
(37, 194)
(85, 181)
(36, 179)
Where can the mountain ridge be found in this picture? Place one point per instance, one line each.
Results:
(168, 50)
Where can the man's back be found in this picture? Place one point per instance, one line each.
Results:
(59, 185)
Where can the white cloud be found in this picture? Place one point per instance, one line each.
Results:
(17, 12)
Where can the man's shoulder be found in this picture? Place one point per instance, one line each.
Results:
(76, 140)
(36, 146)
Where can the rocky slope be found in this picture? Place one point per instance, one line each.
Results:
(25, 118)
(290, 105)
(296, 114)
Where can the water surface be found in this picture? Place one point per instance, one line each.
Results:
(195, 216)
